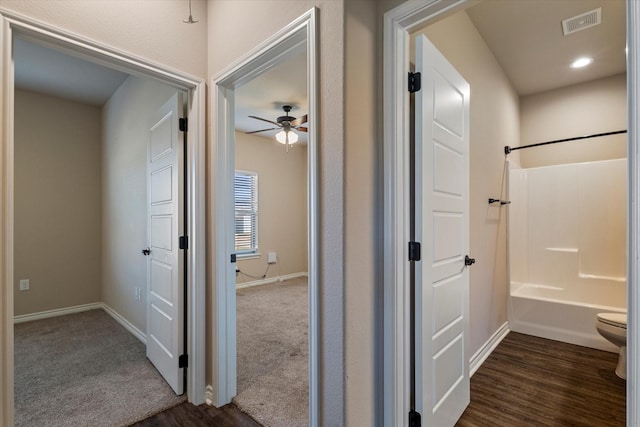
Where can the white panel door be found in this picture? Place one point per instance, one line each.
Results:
(165, 298)
(442, 225)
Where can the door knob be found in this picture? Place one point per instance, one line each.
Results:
(468, 261)
(146, 251)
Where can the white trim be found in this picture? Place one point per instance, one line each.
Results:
(125, 323)
(487, 348)
(56, 312)
(271, 280)
(208, 393)
(243, 257)
(13, 23)
(398, 23)
(293, 38)
(79, 309)
(6, 224)
(95, 51)
(633, 255)
(197, 261)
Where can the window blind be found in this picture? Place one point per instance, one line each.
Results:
(246, 212)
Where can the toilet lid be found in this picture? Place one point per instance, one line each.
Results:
(614, 319)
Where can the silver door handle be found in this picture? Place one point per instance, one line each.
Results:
(146, 251)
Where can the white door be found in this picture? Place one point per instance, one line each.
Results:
(442, 225)
(165, 298)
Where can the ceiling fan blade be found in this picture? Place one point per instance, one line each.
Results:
(264, 120)
(302, 129)
(300, 120)
(261, 130)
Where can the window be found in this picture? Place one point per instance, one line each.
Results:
(246, 212)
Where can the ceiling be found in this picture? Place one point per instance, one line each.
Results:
(284, 84)
(40, 69)
(45, 70)
(526, 38)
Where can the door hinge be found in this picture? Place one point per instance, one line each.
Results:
(183, 124)
(468, 260)
(415, 82)
(183, 361)
(184, 242)
(414, 251)
(414, 419)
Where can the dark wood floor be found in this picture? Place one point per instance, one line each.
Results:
(187, 415)
(527, 381)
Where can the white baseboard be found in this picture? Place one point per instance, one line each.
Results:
(271, 280)
(80, 308)
(125, 323)
(208, 395)
(57, 312)
(481, 355)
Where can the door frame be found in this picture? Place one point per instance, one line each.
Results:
(12, 25)
(398, 24)
(301, 33)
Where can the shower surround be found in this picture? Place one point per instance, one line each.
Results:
(567, 249)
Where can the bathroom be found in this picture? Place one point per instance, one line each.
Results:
(566, 211)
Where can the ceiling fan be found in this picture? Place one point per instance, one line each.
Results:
(287, 124)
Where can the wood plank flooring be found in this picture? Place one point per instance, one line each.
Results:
(527, 381)
(188, 415)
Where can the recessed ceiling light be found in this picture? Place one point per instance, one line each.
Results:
(581, 62)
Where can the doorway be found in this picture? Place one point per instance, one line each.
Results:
(406, 19)
(271, 244)
(194, 163)
(297, 38)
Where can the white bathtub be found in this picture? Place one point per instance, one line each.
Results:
(567, 249)
(566, 314)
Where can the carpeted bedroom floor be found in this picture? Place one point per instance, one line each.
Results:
(272, 337)
(84, 369)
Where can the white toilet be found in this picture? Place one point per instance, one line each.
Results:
(613, 327)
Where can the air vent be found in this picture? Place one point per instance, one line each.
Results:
(582, 21)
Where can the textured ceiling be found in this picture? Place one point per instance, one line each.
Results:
(526, 38)
(45, 70)
(284, 84)
(40, 69)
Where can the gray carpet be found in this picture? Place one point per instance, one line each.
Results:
(272, 325)
(84, 369)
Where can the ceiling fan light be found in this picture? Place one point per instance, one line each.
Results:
(282, 137)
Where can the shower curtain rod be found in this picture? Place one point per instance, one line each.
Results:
(508, 149)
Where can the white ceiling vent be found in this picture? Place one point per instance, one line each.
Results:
(582, 21)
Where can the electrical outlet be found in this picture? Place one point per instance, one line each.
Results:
(138, 294)
(271, 257)
(24, 284)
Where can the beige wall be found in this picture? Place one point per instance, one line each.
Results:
(494, 124)
(126, 118)
(148, 28)
(583, 109)
(282, 205)
(57, 203)
(363, 218)
(349, 158)
(229, 20)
